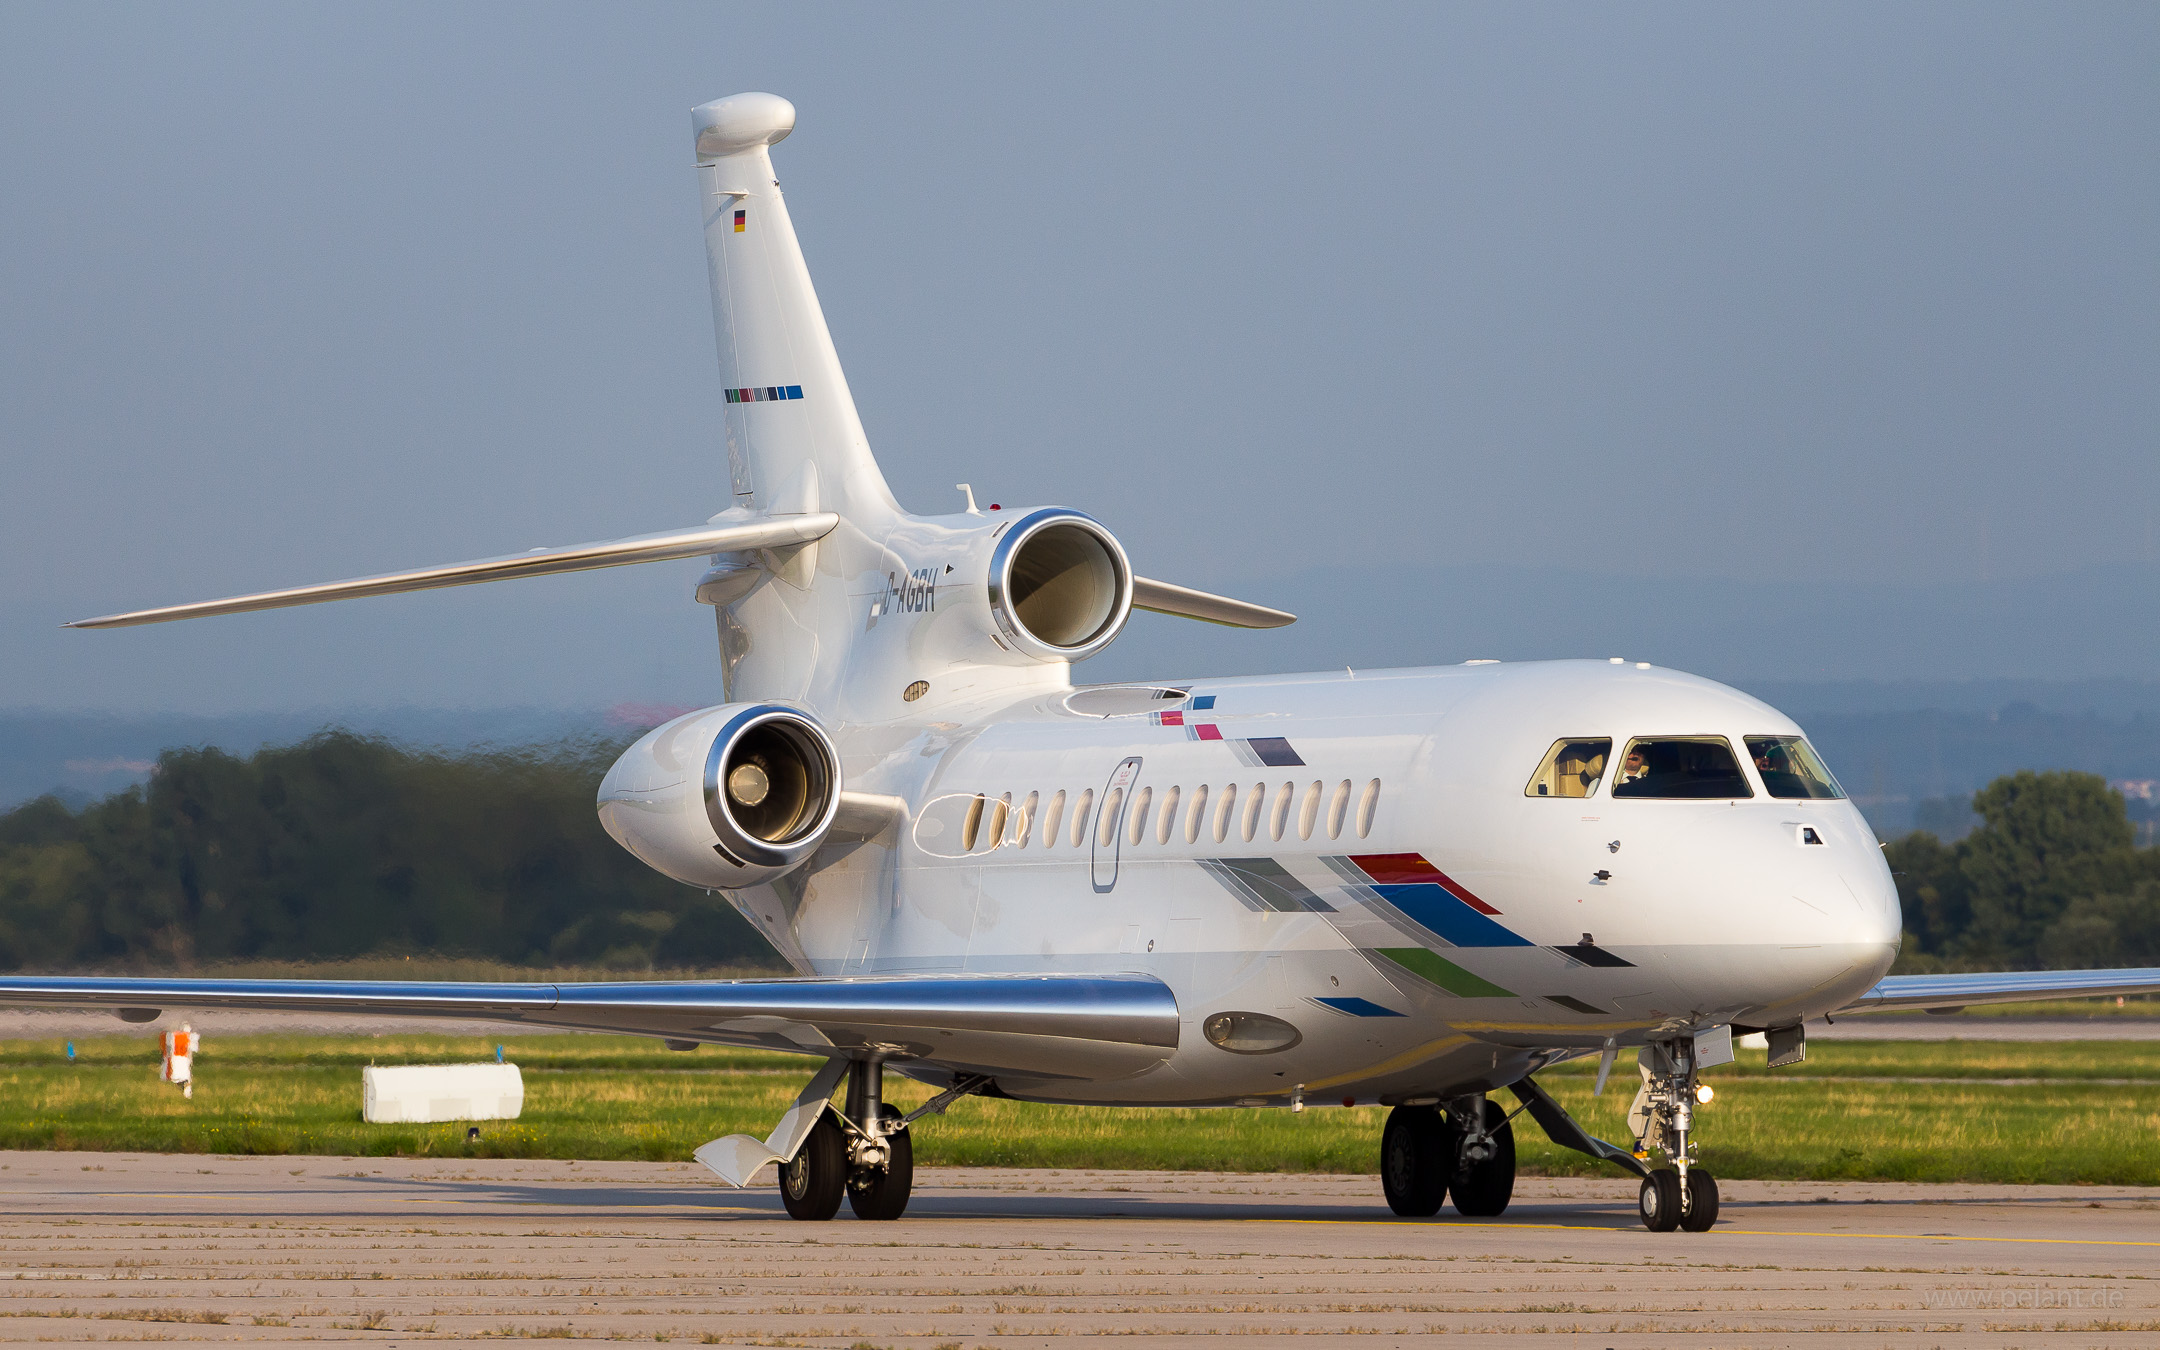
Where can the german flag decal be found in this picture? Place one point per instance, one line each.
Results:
(740, 221)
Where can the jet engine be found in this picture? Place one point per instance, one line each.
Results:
(1060, 587)
(725, 798)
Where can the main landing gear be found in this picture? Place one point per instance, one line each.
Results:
(862, 1152)
(1466, 1150)
(1683, 1195)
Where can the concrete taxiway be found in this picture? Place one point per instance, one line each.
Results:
(135, 1247)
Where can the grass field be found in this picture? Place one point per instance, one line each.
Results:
(1871, 1110)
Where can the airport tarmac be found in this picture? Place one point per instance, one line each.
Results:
(392, 1251)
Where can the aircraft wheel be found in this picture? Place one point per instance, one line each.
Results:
(1660, 1201)
(882, 1193)
(1698, 1208)
(1414, 1161)
(811, 1184)
(1482, 1189)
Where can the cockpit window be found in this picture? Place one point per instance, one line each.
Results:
(1680, 767)
(1571, 769)
(1790, 767)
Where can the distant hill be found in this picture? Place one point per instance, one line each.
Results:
(1910, 751)
(85, 756)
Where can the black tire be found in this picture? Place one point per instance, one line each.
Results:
(1483, 1190)
(1659, 1200)
(1698, 1208)
(1413, 1161)
(875, 1193)
(810, 1186)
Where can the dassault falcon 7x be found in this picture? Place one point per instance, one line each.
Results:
(1410, 888)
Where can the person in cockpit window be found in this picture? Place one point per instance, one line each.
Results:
(1634, 766)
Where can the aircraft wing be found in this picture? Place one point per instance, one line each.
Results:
(1946, 993)
(1045, 1025)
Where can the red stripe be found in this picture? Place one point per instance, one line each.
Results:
(1208, 731)
(1413, 869)
(1173, 719)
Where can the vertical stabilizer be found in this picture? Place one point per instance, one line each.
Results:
(792, 431)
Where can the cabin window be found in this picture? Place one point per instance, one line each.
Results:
(1106, 832)
(998, 816)
(1680, 767)
(1309, 811)
(1080, 815)
(1024, 820)
(1167, 821)
(1572, 768)
(1197, 815)
(1790, 767)
(1367, 804)
(1051, 816)
(1225, 811)
(1338, 807)
(1254, 800)
(1138, 825)
(1279, 818)
(971, 828)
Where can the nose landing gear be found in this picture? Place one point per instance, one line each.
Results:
(1684, 1195)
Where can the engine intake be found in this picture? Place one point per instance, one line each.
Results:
(1060, 586)
(729, 797)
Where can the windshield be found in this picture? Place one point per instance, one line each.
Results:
(1680, 767)
(1571, 769)
(1790, 768)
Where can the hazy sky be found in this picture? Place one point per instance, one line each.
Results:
(1526, 328)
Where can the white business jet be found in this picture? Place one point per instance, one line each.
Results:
(1410, 888)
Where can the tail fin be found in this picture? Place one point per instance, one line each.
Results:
(794, 441)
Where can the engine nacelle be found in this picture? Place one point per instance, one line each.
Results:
(1060, 587)
(728, 797)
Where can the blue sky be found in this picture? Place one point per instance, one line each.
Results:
(1819, 342)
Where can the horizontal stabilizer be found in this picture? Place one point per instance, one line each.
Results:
(1161, 597)
(2012, 986)
(770, 532)
(1088, 1024)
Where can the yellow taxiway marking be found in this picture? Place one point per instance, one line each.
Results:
(1739, 1232)
(1362, 1223)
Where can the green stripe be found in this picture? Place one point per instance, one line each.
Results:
(1427, 965)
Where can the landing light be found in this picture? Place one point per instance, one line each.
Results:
(1703, 1094)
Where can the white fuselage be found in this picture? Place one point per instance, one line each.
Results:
(1696, 912)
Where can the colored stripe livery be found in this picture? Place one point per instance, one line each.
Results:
(771, 393)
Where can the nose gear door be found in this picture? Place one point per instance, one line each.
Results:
(1108, 833)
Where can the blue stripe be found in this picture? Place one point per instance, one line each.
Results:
(794, 391)
(1358, 1007)
(1461, 925)
(1203, 703)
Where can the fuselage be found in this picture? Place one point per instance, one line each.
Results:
(1350, 880)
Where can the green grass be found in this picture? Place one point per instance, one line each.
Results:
(1849, 1113)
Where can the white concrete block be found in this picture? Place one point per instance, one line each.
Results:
(418, 1093)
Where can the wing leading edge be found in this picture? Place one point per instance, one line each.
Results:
(1947, 992)
(1043, 1025)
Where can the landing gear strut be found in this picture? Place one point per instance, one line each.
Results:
(862, 1152)
(1663, 1117)
(1469, 1152)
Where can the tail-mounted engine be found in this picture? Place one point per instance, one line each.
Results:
(1059, 585)
(729, 797)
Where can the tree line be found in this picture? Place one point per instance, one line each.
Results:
(2052, 879)
(345, 846)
